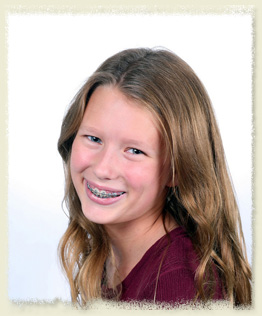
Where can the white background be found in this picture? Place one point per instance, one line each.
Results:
(49, 58)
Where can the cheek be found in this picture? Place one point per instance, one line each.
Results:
(79, 158)
(143, 176)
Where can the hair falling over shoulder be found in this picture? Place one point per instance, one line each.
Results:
(203, 200)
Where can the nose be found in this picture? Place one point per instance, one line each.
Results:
(106, 165)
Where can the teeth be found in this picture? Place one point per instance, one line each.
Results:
(102, 194)
(95, 191)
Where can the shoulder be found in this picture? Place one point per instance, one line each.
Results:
(180, 253)
(176, 281)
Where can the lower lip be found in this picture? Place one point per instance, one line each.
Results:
(102, 201)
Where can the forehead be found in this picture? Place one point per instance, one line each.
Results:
(110, 108)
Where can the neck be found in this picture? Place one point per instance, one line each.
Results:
(130, 242)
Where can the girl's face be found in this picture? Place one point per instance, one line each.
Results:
(117, 161)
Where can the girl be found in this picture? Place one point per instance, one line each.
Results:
(152, 211)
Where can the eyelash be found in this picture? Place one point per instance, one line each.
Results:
(95, 139)
(136, 151)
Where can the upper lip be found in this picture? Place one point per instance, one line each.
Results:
(94, 185)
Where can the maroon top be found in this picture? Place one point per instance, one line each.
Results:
(176, 279)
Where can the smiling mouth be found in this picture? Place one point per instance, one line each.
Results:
(103, 194)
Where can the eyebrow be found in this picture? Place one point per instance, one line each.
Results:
(135, 142)
(88, 129)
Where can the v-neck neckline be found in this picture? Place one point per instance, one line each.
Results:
(158, 245)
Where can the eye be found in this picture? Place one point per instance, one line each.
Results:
(94, 139)
(135, 151)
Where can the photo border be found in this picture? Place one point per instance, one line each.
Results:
(128, 7)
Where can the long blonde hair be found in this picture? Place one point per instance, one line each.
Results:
(203, 202)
